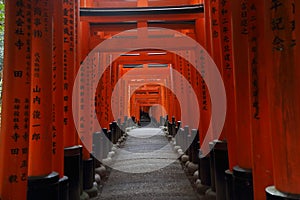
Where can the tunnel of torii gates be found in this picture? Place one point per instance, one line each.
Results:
(254, 44)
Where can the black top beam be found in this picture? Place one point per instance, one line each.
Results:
(142, 10)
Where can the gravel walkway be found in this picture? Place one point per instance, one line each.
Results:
(145, 152)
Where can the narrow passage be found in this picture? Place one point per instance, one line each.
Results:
(145, 152)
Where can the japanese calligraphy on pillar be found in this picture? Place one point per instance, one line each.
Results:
(214, 18)
(253, 62)
(244, 17)
(41, 87)
(54, 90)
(179, 83)
(57, 90)
(203, 84)
(76, 36)
(68, 69)
(215, 27)
(282, 22)
(15, 105)
(107, 89)
(225, 24)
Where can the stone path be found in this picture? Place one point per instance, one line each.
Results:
(145, 152)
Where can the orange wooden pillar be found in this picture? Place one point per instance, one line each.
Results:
(85, 120)
(73, 152)
(106, 92)
(42, 182)
(228, 79)
(174, 86)
(84, 104)
(207, 17)
(229, 130)
(178, 85)
(219, 154)
(57, 103)
(77, 54)
(283, 80)
(83, 51)
(57, 89)
(216, 49)
(188, 89)
(15, 102)
(240, 35)
(170, 95)
(197, 81)
(114, 80)
(86, 131)
(69, 66)
(242, 174)
(262, 165)
(203, 36)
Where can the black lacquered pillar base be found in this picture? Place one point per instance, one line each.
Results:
(229, 185)
(72, 170)
(221, 165)
(88, 173)
(88, 178)
(43, 187)
(204, 170)
(212, 167)
(64, 188)
(242, 183)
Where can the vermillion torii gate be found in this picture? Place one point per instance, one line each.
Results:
(254, 44)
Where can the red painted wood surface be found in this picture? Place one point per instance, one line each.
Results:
(69, 64)
(40, 136)
(57, 90)
(229, 130)
(259, 57)
(241, 30)
(15, 103)
(203, 36)
(216, 50)
(283, 79)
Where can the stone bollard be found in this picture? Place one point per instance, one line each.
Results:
(97, 148)
(110, 138)
(106, 143)
(179, 137)
(161, 121)
(186, 140)
(195, 146)
(212, 167)
(177, 127)
(113, 129)
(169, 130)
(173, 120)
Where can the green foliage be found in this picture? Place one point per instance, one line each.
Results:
(2, 17)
